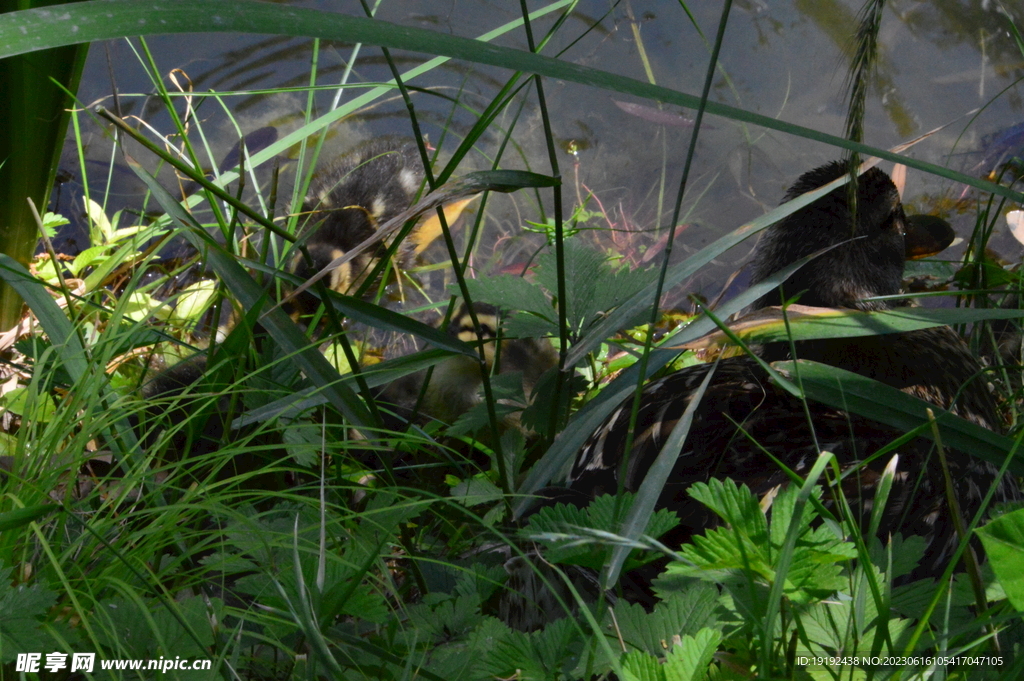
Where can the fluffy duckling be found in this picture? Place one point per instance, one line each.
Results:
(455, 383)
(346, 204)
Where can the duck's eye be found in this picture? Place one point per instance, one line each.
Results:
(896, 222)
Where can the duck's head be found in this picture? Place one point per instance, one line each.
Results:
(868, 257)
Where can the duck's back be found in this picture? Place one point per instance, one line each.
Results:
(744, 424)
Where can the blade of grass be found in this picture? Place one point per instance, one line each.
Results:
(879, 402)
(654, 482)
(808, 323)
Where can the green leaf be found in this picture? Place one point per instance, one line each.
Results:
(593, 286)
(30, 405)
(476, 490)
(684, 612)
(10, 520)
(726, 554)
(511, 293)
(304, 443)
(451, 618)
(831, 626)
(1003, 539)
(640, 666)
(578, 536)
(735, 505)
(690, 658)
(23, 607)
(541, 655)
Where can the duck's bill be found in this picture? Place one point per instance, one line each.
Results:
(927, 235)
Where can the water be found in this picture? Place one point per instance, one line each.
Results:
(940, 60)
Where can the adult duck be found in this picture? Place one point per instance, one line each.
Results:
(866, 261)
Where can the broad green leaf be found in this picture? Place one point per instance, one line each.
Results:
(101, 232)
(689, 659)
(193, 302)
(683, 613)
(30, 405)
(1003, 539)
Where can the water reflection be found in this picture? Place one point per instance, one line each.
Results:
(940, 59)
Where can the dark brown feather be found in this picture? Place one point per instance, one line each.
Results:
(741, 407)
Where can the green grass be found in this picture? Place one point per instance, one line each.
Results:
(310, 541)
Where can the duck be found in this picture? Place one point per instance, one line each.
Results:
(865, 263)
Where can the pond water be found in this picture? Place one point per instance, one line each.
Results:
(786, 59)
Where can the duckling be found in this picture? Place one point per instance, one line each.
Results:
(455, 383)
(933, 364)
(346, 203)
(453, 389)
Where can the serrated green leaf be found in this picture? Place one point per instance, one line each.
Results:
(1003, 539)
(511, 293)
(689, 659)
(640, 666)
(574, 536)
(685, 612)
(540, 655)
(734, 504)
(23, 608)
(782, 514)
(524, 325)
(304, 443)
